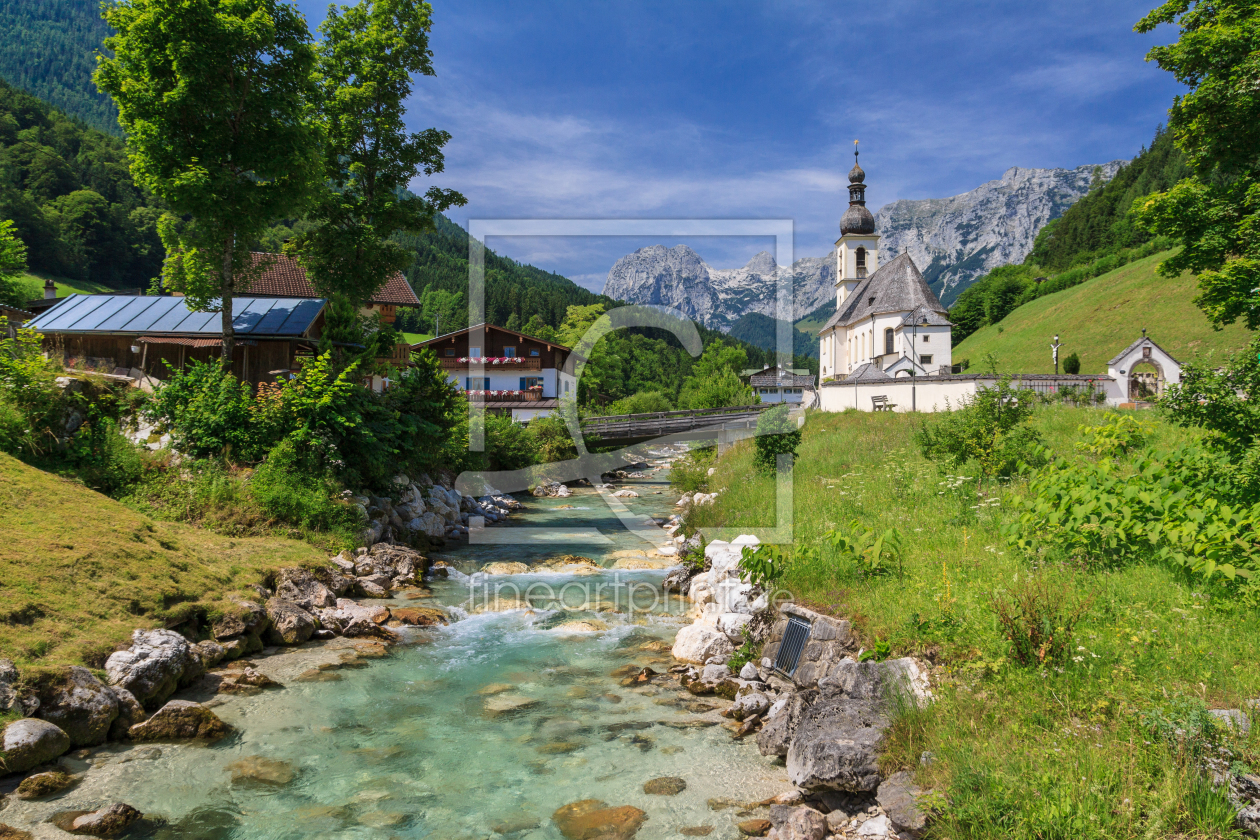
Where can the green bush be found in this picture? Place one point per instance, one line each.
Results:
(551, 440)
(208, 412)
(1176, 507)
(28, 383)
(990, 429)
(285, 492)
(1072, 364)
(777, 435)
(690, 473)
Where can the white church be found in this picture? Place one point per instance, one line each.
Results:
(888, 347)
(888, 323)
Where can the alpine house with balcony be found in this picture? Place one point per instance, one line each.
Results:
(506, 371)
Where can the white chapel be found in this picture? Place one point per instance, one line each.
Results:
(887, 320)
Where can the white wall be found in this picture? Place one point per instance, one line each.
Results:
(930, 394)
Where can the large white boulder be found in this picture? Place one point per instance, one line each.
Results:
(152, 667)
(696, 643)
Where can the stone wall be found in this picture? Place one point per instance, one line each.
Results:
(830, 642)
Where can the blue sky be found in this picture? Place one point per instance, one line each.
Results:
(740, 110)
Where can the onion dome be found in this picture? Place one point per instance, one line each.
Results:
(856, 175)
(857, 219)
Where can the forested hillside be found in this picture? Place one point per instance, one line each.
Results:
(69, 191)
(48, 49)
(763, 331)
(1094, 236)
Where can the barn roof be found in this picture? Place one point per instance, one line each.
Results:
(149, 315)
(285, 277)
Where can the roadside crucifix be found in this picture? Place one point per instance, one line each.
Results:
(1054, 351)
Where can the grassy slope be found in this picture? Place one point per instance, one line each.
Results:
(1098, 319)
(1009, 742)
(79, 571)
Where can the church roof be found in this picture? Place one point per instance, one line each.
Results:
(934, 318)
(896, 286)
(868, 372)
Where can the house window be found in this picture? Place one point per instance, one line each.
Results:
(533, 352)
(528, 382)
(566, 387)
(509, 352)
(888, 340)
(925, 338)
(450, 351)
(925, 360)
(474, 352)
(478, 383)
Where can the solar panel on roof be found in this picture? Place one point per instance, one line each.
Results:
(128, 314)
(250, 313)
(124, 317)
(68, 311)
(304, 314)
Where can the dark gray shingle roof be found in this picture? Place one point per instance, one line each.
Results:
(1135, 345)
(896, 286)
(868, 372)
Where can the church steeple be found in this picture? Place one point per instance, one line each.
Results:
(857, 219)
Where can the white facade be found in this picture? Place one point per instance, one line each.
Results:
(1143, 370)
(944, 393)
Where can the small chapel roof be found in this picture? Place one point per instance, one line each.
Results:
(896, 286)
(1143, 340)
(933, 318)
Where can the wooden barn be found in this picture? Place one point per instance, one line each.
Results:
(156, 335)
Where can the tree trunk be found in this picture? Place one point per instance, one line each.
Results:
(229, 335)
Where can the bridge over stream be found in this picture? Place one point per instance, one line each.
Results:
(725, 425)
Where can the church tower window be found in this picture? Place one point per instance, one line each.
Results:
(860, 256)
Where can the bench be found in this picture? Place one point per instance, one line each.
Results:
(881, 403)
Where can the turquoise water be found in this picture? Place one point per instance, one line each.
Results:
(479, 729)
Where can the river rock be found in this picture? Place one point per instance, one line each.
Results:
(1248, 820)
(30, 742)
(181, 720)
(698, 643)
(419, 616)
(754, 828)
(801, 823)
(8, 832)
(899, 796)
(79, 703)
(876, 826)
(106, 822)
(500, 705)
(504, 568)
(130, 712)
(587, 626)
(8, 679)
(750, 704)
(290, 624)
(371, 589)
(665, 786)
(679, 579)
(835, 745)
(299, 586)
(152, 668)
(241, 617)
(261, 770)
(591, 819)
(39, 785)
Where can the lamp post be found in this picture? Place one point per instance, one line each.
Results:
(914, 364)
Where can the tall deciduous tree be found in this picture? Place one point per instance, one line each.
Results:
(367, 59)
(1216, 214)
(12, 264)
(216, 98)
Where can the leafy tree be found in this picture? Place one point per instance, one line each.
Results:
(776, 435)
(1216, 214)
(714, 380)
(577, 320)
(539, 328)
(364, 73)
(215, 96)
(12, 265)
